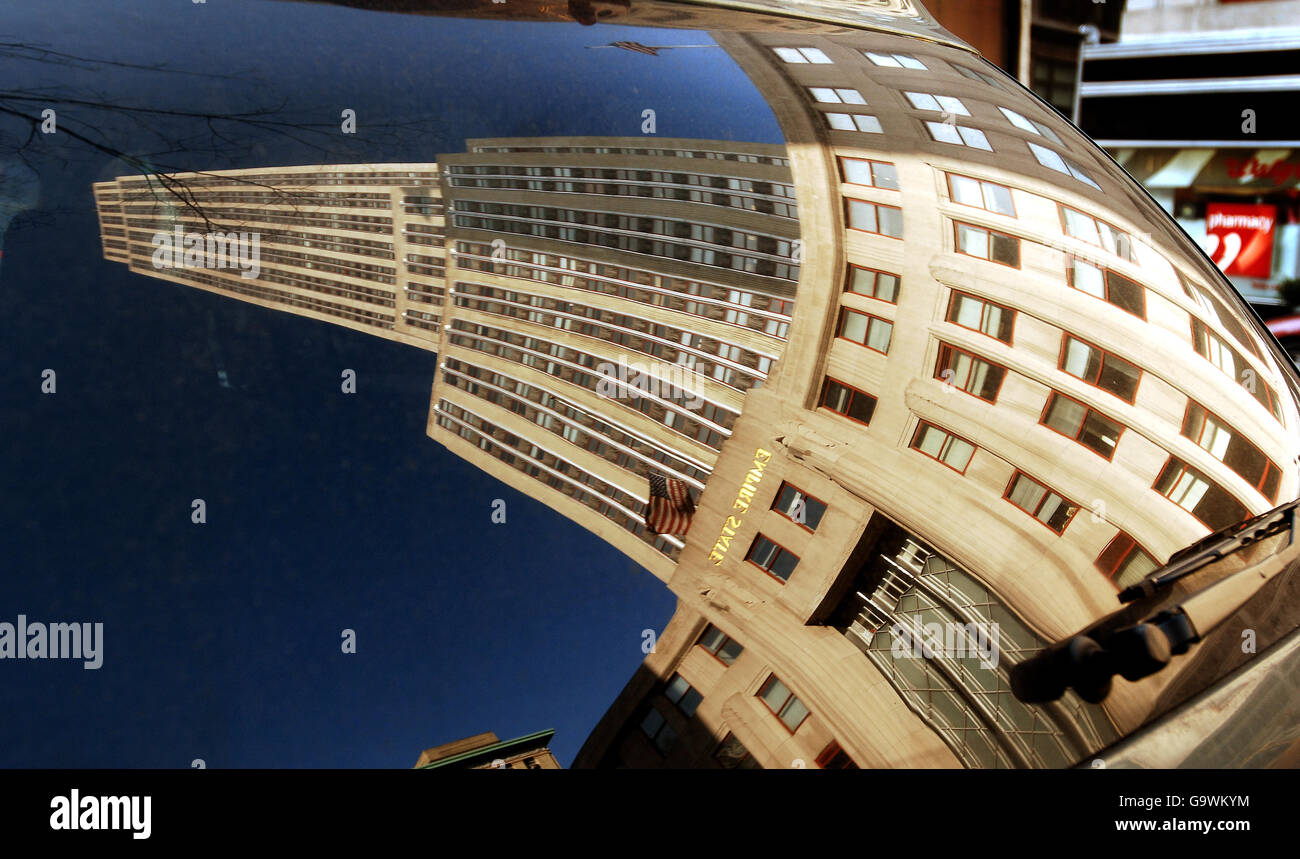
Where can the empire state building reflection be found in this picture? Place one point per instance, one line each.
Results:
(989, 381)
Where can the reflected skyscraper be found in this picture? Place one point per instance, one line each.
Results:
(600, 306)
(936, 361)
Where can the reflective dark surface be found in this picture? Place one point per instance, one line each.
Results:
(853, 240)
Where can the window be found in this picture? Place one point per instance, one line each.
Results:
(1040, 502)
(802, 55)
(848, 401)
(961, 369)
(1098, 367)
(732, 755)
(658, 731)
(959, 135)
(854, 122)
(874, 284)
(978, 76)
(1214, 348)
(725, 649)
(799, 507)
(984, 316)
(875, 218)
(870, 331)
(875, 174)
(1096, 232)
(783, 704)
(1217, 351)
(1128, 295)
(683, 695)
(989, 245)
(1232, 449)
(895, 61)
(980, 194)
(827, 95)
(1088, 427)
(772, 558)
(942, 445)
(944, 103)
(1218, 311)
(1029, 125)
(1124, 562)
(1054, 161)
(835, 758)
(1193, 491)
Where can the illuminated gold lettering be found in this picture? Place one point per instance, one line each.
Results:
(743, 498)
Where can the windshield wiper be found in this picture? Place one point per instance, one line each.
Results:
(1088, 660)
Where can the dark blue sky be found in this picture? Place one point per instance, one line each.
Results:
(325, 511)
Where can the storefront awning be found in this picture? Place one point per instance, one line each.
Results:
(1212, 169)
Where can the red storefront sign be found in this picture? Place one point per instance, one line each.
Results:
(1239, 238)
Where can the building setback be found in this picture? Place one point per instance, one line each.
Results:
(358, 245)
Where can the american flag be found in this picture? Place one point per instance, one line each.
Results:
(651, 50)
(670, 508)
(637, 47)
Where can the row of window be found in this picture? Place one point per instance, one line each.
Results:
(420, 319)
(676, 415)
(575, 424)
(816, 56)
(947, 130)
(746, 202)
(1118, 290)
(336, 244)
(670, 344)
(325, 286)
(333, 265)
(425, 176)
(753, 310)
(626, 182)
(710, 154)
(721, 236)
(254, 289)
(615, 174)
(562, 476)
(1221, 354)
(320, 199)
(327, 220)
(1185, 486)
(1100, 433)
(766, 259)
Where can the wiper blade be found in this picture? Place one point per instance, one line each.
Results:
(1216, 547)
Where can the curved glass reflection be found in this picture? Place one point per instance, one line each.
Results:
(926, 358)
